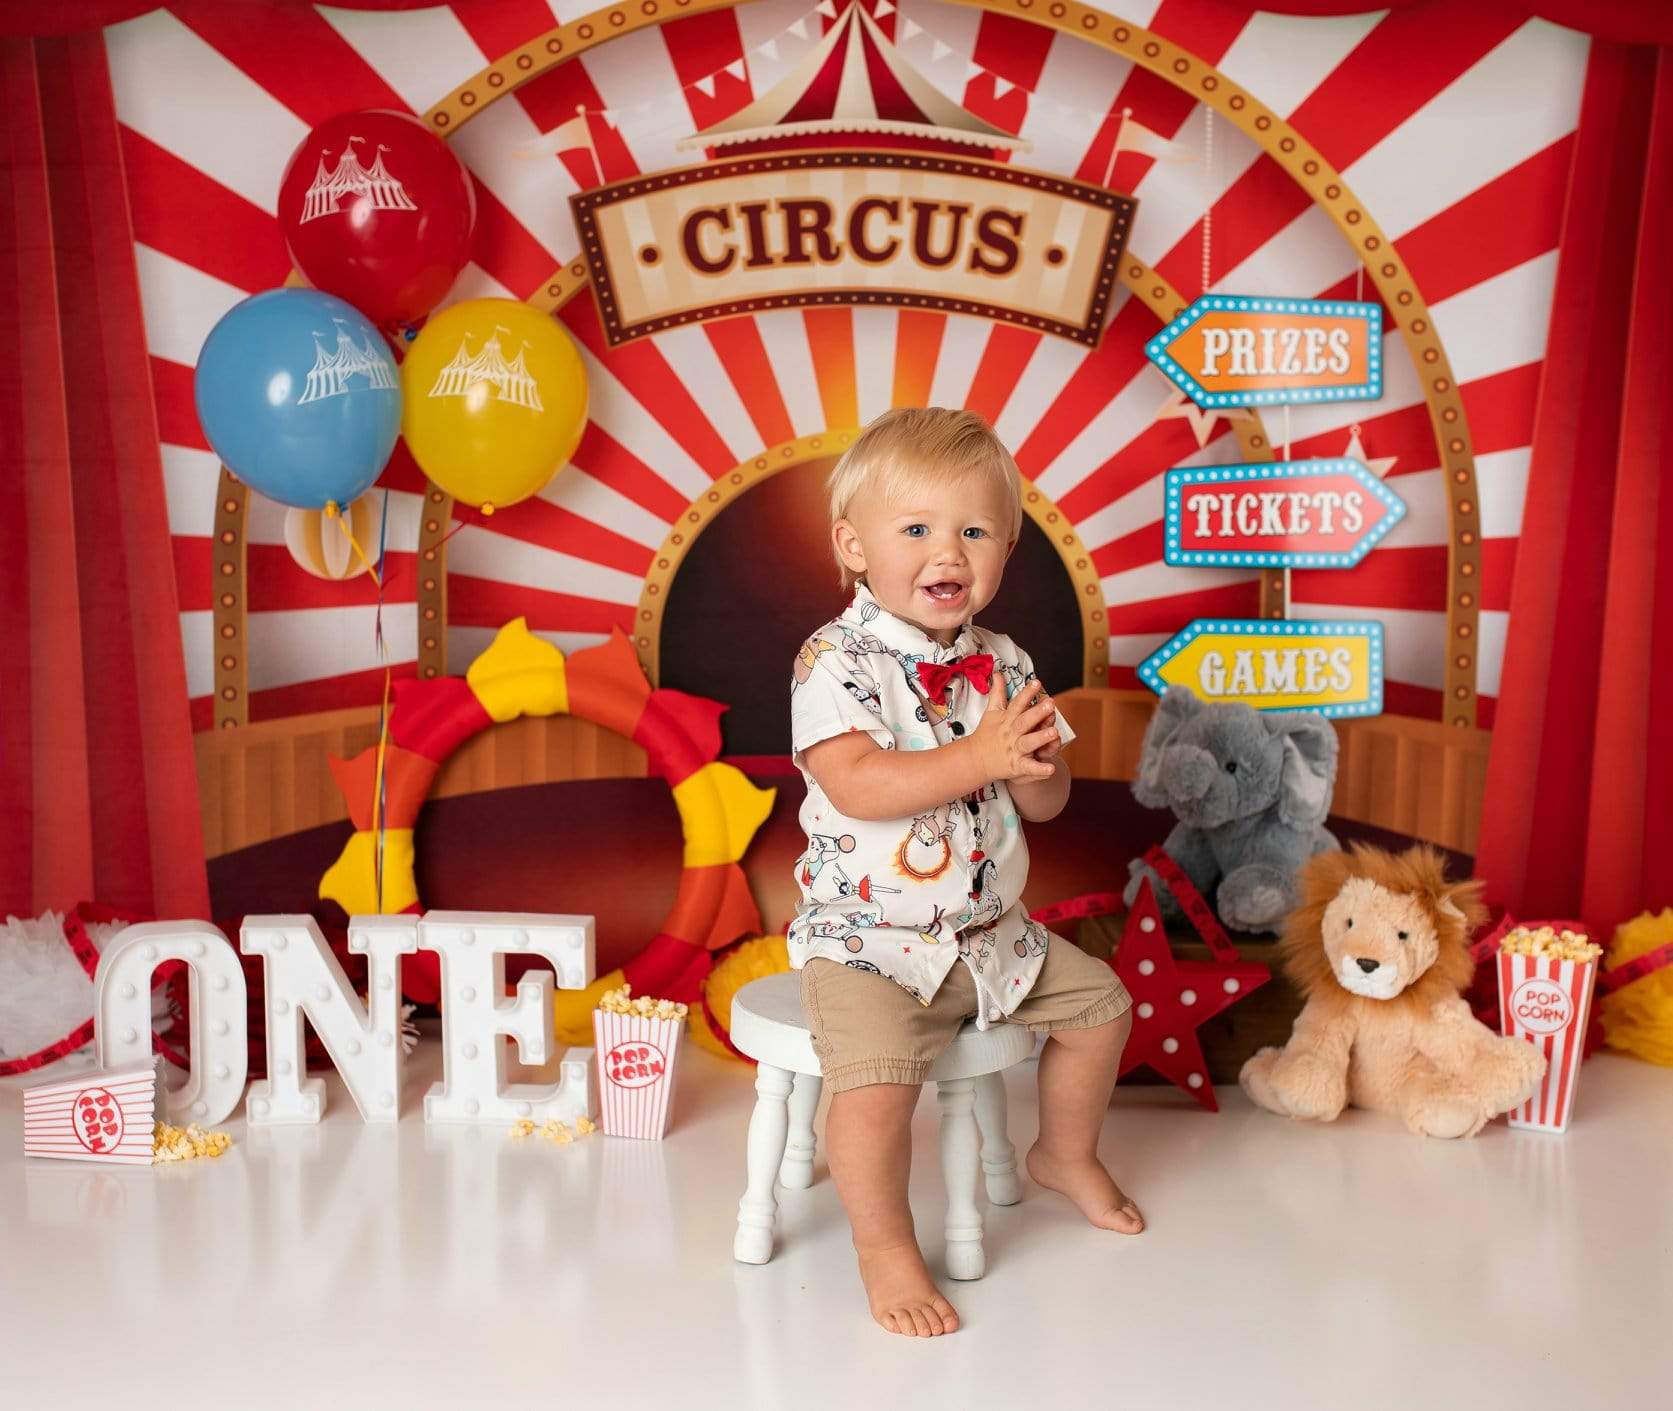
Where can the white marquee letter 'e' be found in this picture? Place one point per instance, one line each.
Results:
(304, 977)
(472, 946)
(122, 1012)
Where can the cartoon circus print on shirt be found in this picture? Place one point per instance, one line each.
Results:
(976, 944)
(985, 903)
(807, 657)
(823, 848)
(858, 682)
(910, 897)
(926, 852)
(824, 879)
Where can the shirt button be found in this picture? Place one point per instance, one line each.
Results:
(957, 728)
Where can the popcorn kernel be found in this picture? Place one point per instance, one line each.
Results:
(1546, 943)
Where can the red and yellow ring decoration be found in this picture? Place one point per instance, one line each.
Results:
(521, 674)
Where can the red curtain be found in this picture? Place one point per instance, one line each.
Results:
(98, 786)
(1578, 821)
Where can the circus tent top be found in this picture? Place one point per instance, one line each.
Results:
(855, 80)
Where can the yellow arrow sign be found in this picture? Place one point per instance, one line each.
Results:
(1335, 668)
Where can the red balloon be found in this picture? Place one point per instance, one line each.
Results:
(377, 210)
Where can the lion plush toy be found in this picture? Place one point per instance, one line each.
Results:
(1378, 946)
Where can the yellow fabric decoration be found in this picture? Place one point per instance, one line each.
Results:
(572, 1010)
(753, 959)
(519, 674)
(720, 811)
(351, 881)
(1638, 1017)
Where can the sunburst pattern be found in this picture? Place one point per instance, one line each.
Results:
(1455, 137)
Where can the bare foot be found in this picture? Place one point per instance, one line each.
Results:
(1089, 1186)
(903, 1297)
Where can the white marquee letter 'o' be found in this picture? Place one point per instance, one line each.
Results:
(122, 1012)
(476, 1019)
(304, 977)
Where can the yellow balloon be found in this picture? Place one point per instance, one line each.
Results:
(494, 400)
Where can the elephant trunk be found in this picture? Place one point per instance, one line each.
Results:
(1190, 774)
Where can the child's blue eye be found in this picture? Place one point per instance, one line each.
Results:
(913, 529)
(975, 533)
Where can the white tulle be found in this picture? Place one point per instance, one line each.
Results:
(44, 992)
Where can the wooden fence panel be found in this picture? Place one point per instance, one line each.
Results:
(256, 782)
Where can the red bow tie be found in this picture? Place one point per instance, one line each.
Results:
(977, 670)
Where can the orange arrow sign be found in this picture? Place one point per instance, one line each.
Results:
(1228, 350)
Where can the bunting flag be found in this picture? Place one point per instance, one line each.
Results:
(1179, 407)
(1379, 467)
(1134, 136)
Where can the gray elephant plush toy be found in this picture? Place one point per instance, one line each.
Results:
(1250, 789)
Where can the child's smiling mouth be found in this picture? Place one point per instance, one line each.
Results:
(947, 593)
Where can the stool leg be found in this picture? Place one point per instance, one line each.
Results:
(796, 1174)
(960, 1164)
(999, 1157)
(768, 1124)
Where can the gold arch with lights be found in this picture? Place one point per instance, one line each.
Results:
(1175, 65)
(1303, 162)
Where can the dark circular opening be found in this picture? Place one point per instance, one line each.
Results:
(760, 578)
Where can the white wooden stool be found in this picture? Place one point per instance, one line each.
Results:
(768, 1025)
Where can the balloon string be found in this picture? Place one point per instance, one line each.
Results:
(380, 802)
(379, 811)
(467, 515)
(442, 542)
(334, 511)
(381, 577)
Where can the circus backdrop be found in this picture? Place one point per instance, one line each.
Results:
(177, 679)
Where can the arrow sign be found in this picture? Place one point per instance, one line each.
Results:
(1287, 514)
(1229, 350)
(1335, 668)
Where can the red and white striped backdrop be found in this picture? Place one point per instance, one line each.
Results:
(1456, 136)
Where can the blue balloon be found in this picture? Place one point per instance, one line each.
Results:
(300, 396)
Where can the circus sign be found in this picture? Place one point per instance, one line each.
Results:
(913, 220)
(1230, 350)
(1287, 514)
(1335, 668)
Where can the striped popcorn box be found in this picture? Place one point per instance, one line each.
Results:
(637, 1057)
(96, 1117)
(1546, 999)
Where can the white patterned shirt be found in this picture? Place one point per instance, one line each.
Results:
(910, 897)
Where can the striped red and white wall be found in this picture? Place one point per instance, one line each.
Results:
(1456, 136)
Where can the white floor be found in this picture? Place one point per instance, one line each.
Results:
(1348, 1267)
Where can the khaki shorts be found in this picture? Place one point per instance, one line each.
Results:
(867, 1029)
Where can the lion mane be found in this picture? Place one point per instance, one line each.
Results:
(1455, 910)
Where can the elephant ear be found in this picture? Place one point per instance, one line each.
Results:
(1179, 705)
(1308, 772)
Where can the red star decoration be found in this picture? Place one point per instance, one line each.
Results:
(1171, 997)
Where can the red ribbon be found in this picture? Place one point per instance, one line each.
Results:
(976, 669)
(1197, 911)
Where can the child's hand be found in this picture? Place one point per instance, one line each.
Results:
(1011, 736)
(1053, 747)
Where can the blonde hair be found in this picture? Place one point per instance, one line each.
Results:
(910, 447)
